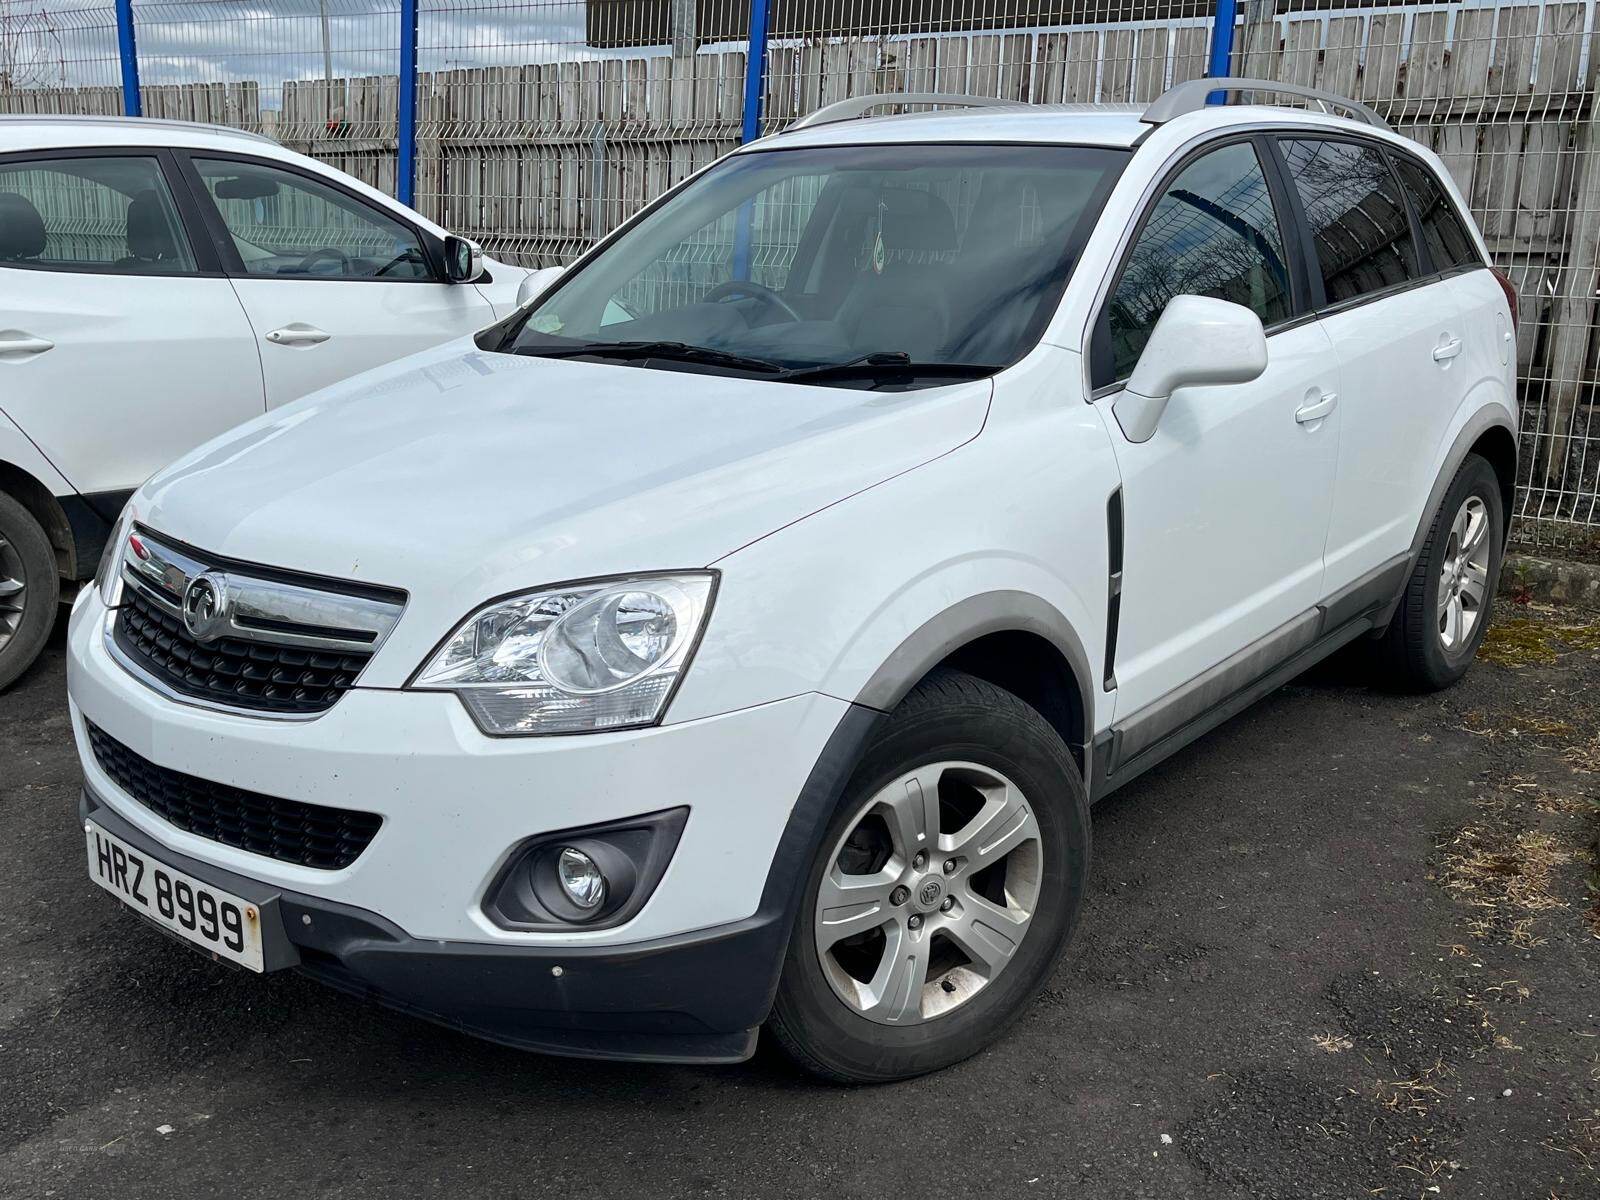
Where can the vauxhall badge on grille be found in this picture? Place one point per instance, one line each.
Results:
(205, 606)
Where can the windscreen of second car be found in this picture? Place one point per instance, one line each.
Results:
(869, 266)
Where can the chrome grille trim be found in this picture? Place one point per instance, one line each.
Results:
(287, 616)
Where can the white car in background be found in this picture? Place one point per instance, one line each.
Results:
(162, 282)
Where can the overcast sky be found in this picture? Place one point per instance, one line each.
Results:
(74, 41)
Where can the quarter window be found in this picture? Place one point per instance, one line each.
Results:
(1356, 213)
(1449, 244)
(1214, 233)
(91, 214)
(282, 223)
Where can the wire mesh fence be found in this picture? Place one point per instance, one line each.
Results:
(543, 124)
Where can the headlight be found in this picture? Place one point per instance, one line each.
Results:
(575, 659)
(108, 575)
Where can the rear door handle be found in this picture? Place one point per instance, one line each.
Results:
(1447, 349)
(298, 334)
(1316, 407)
(16, 346)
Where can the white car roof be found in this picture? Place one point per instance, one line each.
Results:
(42, 131)
(1117, 125)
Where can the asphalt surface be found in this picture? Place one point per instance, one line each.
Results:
(1344, 946)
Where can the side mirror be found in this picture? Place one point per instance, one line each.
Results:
(1197, 341)
(463, 259)
(536, 284)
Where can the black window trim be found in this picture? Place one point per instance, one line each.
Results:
(1425, 275)
(191, 219)
(222, 240)
(1300, 311)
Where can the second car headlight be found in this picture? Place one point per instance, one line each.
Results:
(574, 659)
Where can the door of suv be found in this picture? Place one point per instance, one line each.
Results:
(1398, 330)
(333, 283)
(122, 345)
(1226, 507)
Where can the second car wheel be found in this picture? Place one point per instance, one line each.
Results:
(29, 589)
(944, 890)
(1449, 597)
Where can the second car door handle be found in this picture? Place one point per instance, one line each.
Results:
(1316, 407)
(1447, 349)
(298, 334)
(16, 346)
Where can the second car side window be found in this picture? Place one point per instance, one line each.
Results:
(283, 223)
(83, 213)
(1356, 213)
(1214, 233)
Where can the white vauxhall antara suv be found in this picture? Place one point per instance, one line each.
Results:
(738, 633)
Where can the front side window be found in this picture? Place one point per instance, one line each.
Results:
(285, 224)
(1449, 244)
(1213, 233)
(91, 214)
(918, 259)
(1356, 213)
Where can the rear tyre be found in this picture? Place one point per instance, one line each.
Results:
(29, 589)
(947, 884)
(1449, 598)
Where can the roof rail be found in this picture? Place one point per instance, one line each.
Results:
(160, 122)
(1191, 97)
(846, 110)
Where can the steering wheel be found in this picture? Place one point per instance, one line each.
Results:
(329, 252)
(756, 291)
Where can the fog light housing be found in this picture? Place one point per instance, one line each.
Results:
(596, 877)
(581, 878)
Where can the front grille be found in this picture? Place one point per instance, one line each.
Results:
(263, 676)
(310, 835)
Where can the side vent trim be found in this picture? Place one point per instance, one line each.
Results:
(1113, 586)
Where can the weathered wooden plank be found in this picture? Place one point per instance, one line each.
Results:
(1302, 51)
(1380, 75)
(1150, 63)
(1190, 53)
(1116, 67)
(1341, 56)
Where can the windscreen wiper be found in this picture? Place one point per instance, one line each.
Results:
(675, 351)
(886, 364)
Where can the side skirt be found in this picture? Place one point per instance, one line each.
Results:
(1149, 737)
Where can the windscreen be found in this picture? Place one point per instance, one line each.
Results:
(910, 257)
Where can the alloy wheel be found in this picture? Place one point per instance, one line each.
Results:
(1464, 577)
(13, 590)
(928, 894)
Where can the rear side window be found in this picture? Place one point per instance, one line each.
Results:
(1449, 244)
(91, 214)
(1214, 233)
(1356, 212)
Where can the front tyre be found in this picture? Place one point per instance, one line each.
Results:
(1449, 598)
(946, 887)
(29, 589)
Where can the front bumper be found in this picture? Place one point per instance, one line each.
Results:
(454, 802)
(691, 998)
(689, 978)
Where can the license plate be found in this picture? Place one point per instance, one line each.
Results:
(212, 919)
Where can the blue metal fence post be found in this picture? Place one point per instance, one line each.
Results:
(1222, 22)
(406, 136)
(129, 55)
(755, 87)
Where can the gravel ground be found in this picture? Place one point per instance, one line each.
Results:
(1345, 946)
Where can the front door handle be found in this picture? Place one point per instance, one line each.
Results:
(298, 334)
(17, 346)
(1317, 406)
(1447, 349)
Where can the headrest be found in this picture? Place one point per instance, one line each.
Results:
(149, 231)
(916, 220)
(21, 228)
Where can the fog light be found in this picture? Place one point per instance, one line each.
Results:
(581, 878)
